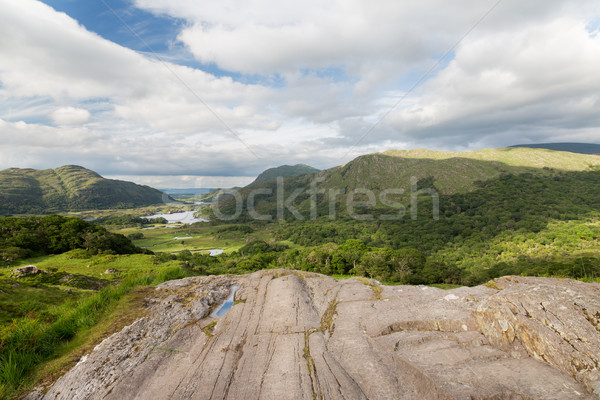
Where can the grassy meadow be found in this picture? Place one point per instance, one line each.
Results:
(197, 238)
(49, 320)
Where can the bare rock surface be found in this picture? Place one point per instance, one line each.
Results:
(296, 335)
(27, 270)
(553, 320)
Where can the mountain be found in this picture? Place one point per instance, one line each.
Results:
(582, 148)
(452, 172)
(457, 172)
(284, 171)
(447, 172)
(68, 188)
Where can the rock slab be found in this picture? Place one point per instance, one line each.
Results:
(296, 335)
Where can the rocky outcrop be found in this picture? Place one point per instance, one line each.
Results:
(27, 270)
(294, 335)
(553, 320)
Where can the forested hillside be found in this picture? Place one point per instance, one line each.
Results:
(468, 219)
(517, 224)
(53, 234)
(68, 188)
(446, 172)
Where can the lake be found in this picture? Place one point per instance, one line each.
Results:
(184, 217)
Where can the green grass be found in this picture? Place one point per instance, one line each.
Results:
(49, 318)
(204, 237)
(445, 286)
(512, 156)
(128, 309)
(30, 298)
(28, 342)
(77, 262)
(342, 276)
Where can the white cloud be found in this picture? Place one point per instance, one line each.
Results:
(70, 116)
(539, 79)
(325, 73)
(45, 53)
(266, 37)
(259, 36)
(128, 153)
(528, 68)
(185, 181)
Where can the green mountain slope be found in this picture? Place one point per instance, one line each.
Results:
(455, 172)
(496, 212)
(284, 171)
(583, 148)
(68, 188)
(447, 172)
(547, 225)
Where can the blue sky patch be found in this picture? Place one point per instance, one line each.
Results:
(153, 35)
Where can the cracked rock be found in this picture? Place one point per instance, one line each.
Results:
(297, 335)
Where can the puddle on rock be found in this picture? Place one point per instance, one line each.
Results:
(227, 304)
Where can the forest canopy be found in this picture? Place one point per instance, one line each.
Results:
(54, 234)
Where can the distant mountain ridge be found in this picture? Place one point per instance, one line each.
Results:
(68, 188)
(581, 148)
(446, 171)
(284, 171)
(451, 171)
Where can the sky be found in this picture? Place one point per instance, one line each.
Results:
(194, 93)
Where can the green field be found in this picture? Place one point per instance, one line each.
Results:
(47, 321)
(174, 240)
(199, 237)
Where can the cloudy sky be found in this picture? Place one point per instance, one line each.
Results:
(194, 93)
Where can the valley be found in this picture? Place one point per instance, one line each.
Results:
(328, 200)
(519, 212)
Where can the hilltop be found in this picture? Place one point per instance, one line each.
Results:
(447, 172)
(583, 148)
(68, 188)
(457, 172)
(451, 172)
(284, 171)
